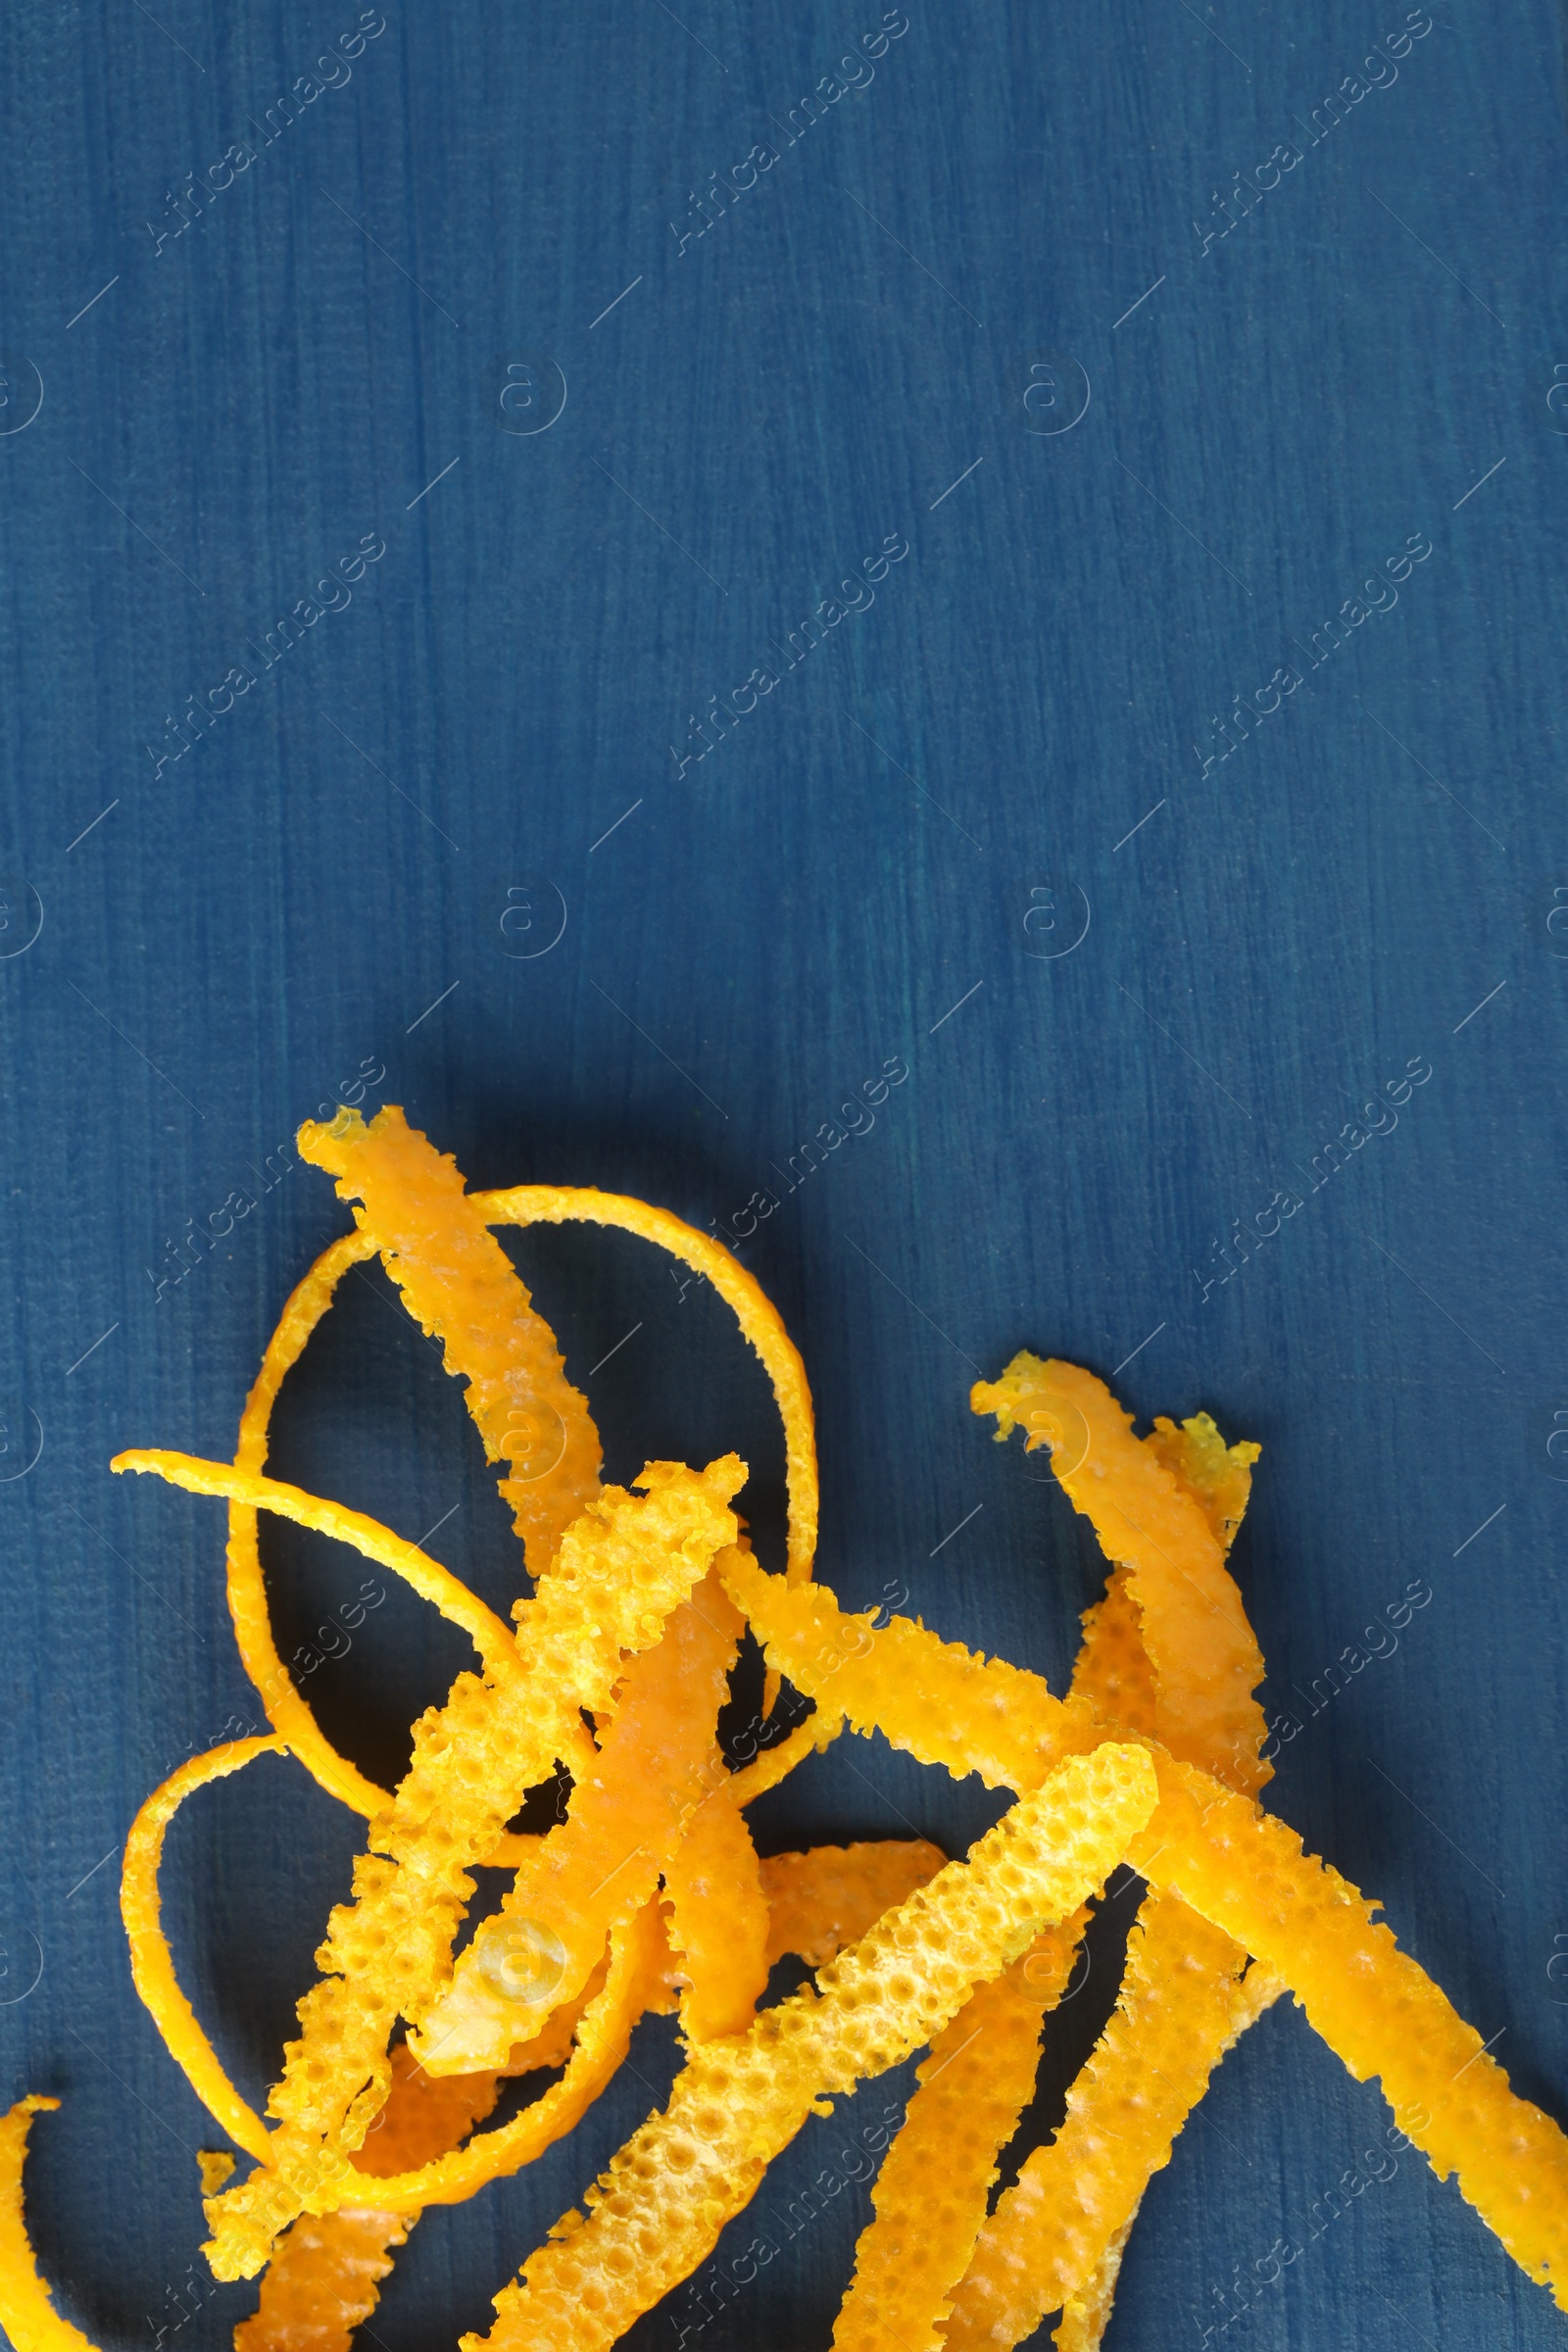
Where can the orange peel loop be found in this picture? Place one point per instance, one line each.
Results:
(27, 2307)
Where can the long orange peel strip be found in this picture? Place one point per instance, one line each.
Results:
(930, 2195)
(152, 1966)
(28, 2312)
(1205, 1658)
(462, 1288)
(1074, 2198)
(739, 2101)
(1079, 2268)
(623, 1565)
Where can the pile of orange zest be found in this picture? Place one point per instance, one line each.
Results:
(462, 1288)
(650, 1892)
(623, 1565)
(937, 1700)
(152, 1966)
(27, 2309)
(629, 1814)
(761, 1322)
(659, 2210)
(1049, 2236)
(718, 1919)
(1205, 1658)
(830, 1896)
(930, 2195)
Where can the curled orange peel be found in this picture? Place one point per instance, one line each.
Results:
(739, 2101)
(521, 1206)
(462, 1288)
(27, 2310)
(491, 1638)
(1205, 1658)
(762, 1325)
(152, 1965)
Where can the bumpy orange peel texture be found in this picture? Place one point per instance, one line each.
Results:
(623, 1565)
(463, 1289)
(930, 2195)
(629, 1814)
(657, 2211)
(1113, 1670)
(1205, 1659)
(1074, 2198)
(717, 1919)
(28, 2312)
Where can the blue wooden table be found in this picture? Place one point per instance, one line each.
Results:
(614, 578)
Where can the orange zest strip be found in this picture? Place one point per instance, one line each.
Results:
(1205, 1658)
(462, 1288)
(26, 2308)
(623, 1565)
(152, 1966)
(1377, 2010)
(717, 1919)
(936, 1699)
(1049, 2234)
(635, 1982)
(930, 2195)
(286, 1710)
(739, 2101)
(830, 1896)
(490, 1636)
(759, 1320)
(775, 1764)
(629, 1812)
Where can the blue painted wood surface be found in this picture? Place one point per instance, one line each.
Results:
(350, 354)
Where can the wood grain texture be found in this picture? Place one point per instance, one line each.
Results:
(254, 923)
